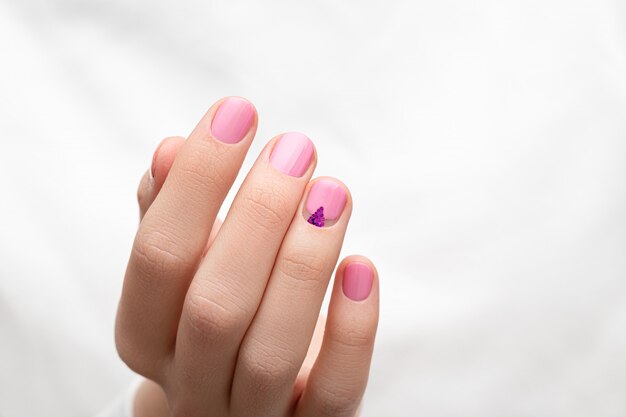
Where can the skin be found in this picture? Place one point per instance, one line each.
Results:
(223, 319)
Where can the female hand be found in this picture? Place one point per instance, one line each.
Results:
(221, 318)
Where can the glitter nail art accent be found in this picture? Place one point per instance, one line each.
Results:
(317, 218)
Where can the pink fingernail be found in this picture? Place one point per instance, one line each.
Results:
(325, 202)
(232, 120)
(357, 281)
(292, 154)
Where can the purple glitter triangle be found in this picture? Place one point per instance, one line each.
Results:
(317, 218)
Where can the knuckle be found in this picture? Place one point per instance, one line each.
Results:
(356, 335)
(132, 354)
(268, 368)
(204, 172)
(303, 266)
(156, 253)
(266, 207)
(210, 318)
(125, 349)
(337, 401)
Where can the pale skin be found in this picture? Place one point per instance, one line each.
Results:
(223, 318)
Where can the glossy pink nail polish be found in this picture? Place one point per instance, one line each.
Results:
(232, 120)
(292, 154)
(357, 281)
(325, 202)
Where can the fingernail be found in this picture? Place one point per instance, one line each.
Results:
(292, 154)
(357, 281)
(325, 202)
(232, 120)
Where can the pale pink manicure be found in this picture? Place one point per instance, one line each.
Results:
(292, 154)
(326, 201)
(357, 281)
(232, 120)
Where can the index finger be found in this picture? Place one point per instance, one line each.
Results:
(175, 230)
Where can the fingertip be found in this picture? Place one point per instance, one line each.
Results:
(163, 158)
(153, 179)
(327, 202)
(145, 193)
(234, 119)
(359, 278)
(360, 259)
(292, 153)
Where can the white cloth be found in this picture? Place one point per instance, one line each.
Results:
(483, 142)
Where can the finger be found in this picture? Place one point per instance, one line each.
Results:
(276, 343)
(309, 360)
(229, 284)
(146, 195)
(153, 179)
(339, 377)
(174, 232)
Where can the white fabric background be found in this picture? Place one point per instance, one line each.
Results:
(484, 144)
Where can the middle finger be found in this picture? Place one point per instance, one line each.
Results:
(227, 289)
(277, 341)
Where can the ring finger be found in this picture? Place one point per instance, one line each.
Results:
(277, 341)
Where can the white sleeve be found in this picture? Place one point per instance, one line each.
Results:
(123, 405)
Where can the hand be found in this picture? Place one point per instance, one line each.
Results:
(221, 317)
